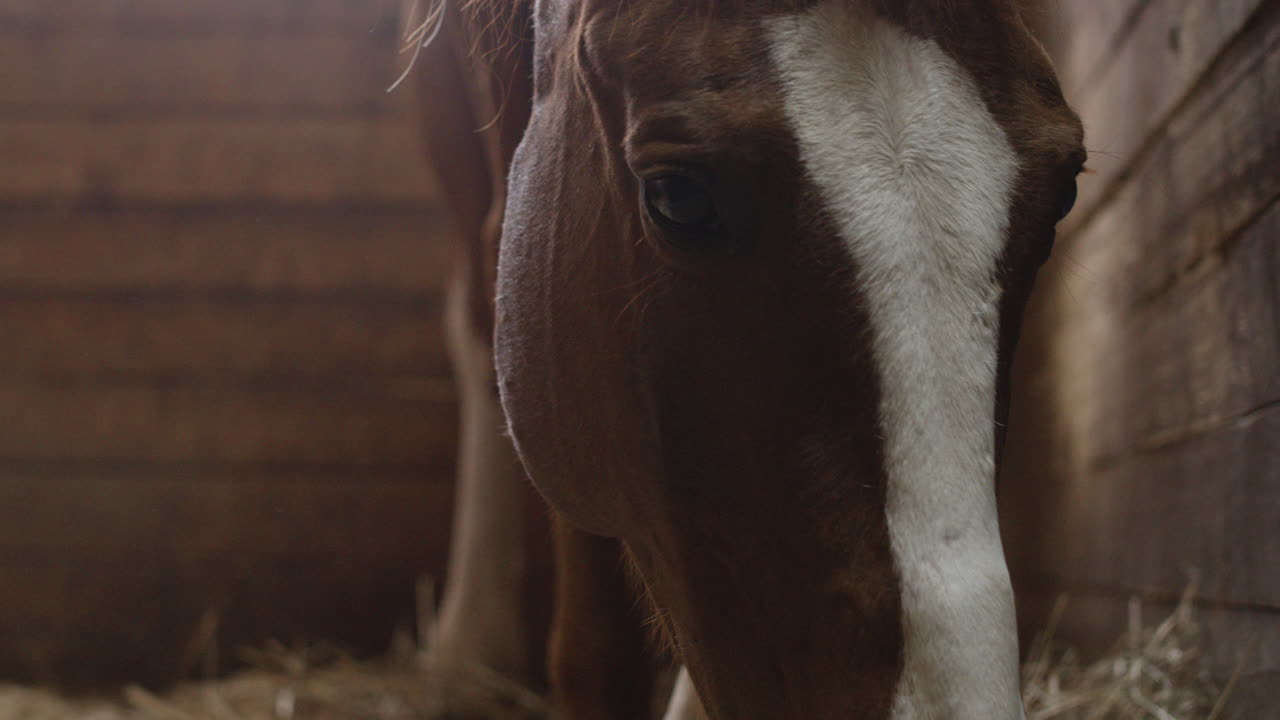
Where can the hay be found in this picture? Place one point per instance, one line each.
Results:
(1152, 673)
(341, 690)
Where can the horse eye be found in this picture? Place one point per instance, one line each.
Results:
(680, 201)
(1068, 201)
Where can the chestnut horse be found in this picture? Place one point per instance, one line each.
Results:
(760, 276)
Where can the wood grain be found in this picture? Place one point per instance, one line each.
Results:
(236, 338)
(1142, 525)
(373, 161)
(223, 388)
(214, 249)
(1156, 67)
(1146, 421)
(1084, 36)
(357, 420)
(80, 514)
(102, 626)
(123, 70)
(1200, 354)
(197, 13)
(1210, 172)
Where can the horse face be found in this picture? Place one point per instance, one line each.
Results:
(761, 275)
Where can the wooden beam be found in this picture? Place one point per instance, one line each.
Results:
(372, 160)
(198, 13)
(361, 420)
(307, 340)
(223, 250)
(1157, 67)
(122, 71)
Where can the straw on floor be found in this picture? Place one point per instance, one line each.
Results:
(1154, 672)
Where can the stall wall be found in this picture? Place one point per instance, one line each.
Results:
(225, 411)
(1145, 444)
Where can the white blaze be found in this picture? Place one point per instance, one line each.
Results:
(684, 704)
(917, 176)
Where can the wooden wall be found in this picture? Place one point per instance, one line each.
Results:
(222, 386)
(1146, 432)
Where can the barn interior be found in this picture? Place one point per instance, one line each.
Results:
(227, 417)
(225, 395)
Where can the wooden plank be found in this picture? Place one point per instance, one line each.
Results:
(226, 338)
(219, 399)
(250, 13)
(1172, 262)
(1155, 451)
(1206, 498)
(54, 514)
(361, 420)
(1212, 170)
(1201, 354)
(370, 160)
(1209, 503)
(1084, 36)
(216, 249)
(98, 627)
(1159, 64)
(1251, 509)
(1144, 431)
(80, 71)
(1247, 640)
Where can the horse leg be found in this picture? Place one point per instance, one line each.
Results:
(599, 659)
(482, 618)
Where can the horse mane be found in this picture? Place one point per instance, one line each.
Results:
(498, 26)
(498, 21)
(494, 26)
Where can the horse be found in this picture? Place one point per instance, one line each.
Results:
(742, 285)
